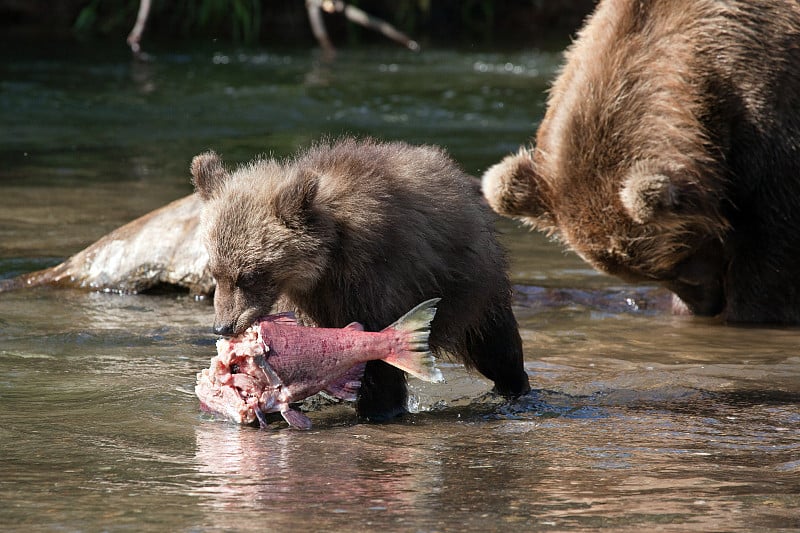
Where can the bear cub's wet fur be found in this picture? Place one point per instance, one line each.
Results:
(360, 230)
(670, 153)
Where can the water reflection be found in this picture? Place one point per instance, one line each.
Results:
(143, 76)
(631, 467)
(321, 473)
(364, 475)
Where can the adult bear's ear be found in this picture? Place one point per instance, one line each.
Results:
(514, 188)
(208, 174)
(645, 194)
(294, 202)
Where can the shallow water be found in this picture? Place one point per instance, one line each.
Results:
(639, 419)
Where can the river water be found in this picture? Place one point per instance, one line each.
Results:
(639, 419)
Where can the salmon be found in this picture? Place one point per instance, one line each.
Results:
(276, 362)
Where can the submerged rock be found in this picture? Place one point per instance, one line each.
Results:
(160, 249)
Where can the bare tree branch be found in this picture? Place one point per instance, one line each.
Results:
(314, 8)
(358, 16)
(135, 36)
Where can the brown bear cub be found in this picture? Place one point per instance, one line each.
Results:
(670, 153)
(359, 230)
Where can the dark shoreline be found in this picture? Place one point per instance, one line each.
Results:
(453, 22)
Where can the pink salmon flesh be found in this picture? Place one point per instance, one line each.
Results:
(276, 362)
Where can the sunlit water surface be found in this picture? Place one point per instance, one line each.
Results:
(639, 419)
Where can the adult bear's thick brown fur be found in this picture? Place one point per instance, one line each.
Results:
(358, 230)
(670, 153)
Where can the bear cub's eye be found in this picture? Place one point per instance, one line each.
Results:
(248, 279)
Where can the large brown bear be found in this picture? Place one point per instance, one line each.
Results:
(670, 153)
(358, 230)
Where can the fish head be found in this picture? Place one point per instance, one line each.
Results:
(239, 384)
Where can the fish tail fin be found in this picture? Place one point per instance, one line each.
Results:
(417, 358)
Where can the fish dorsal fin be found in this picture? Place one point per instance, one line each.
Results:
(355, 326)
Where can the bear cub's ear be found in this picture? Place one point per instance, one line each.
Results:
(294, 202)
(646, 195)
(208, 174)
(514, 188)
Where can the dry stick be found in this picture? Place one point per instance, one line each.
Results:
(135, 36)
(358, 16)
(318, 26)
(314, 8)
